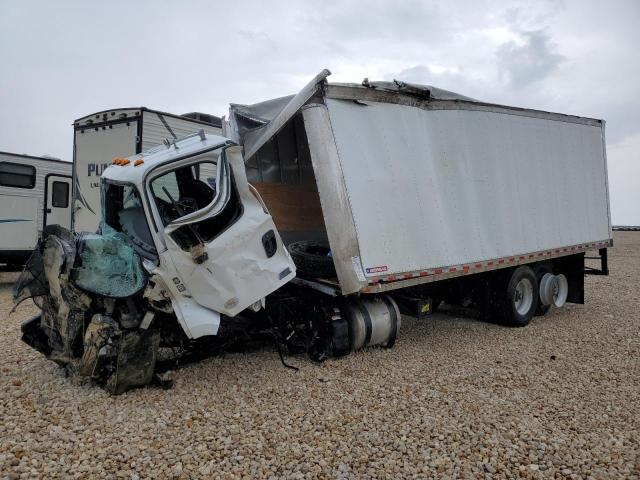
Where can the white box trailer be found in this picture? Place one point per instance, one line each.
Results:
(34, 192)
(411, 184)
(121, 132)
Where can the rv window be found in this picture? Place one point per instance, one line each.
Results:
(60, 195)
(16, 175)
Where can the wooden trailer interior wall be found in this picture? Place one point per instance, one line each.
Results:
(282, 173)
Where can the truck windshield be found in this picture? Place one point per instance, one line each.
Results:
(122, 210)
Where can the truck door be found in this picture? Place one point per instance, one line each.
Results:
(220, 239)
(57, 210)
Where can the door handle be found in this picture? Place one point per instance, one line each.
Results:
(48, 210)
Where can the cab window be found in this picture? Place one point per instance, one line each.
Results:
(186, 190)
(123, 212)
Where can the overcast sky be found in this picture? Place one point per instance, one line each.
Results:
(65, 59)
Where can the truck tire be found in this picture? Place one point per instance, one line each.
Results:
(540, 270)
(516, 294)
(312, 259)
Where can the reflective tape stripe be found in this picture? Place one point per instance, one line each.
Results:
(487, 265)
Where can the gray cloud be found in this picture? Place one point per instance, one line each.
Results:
(458, 81)
(527, 63)
(63, 60)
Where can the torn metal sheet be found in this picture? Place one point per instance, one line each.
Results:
(255, 138)
(424, 91)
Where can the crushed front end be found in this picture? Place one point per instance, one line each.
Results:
(90, 289)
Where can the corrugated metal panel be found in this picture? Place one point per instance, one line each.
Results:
(284, 158)
(430, 188)
(154, 130)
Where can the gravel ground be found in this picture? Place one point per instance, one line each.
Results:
(455, 398)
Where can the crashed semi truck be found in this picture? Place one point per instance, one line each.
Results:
(318, 220)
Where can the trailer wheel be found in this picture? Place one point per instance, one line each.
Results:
(540, 270)
(517, 297)
(312, 259)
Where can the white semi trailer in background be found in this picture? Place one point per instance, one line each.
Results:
(34, 192)
(317, 219)
(121, 132)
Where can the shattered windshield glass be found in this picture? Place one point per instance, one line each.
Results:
(108, 265)
(123, 212)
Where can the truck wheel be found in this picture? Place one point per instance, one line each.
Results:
(540, 270)
(312, 259)
(517, 298)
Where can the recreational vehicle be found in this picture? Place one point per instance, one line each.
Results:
(34, 192)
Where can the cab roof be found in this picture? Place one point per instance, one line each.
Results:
(169, 152)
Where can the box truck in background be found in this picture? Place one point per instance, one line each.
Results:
(34, 192)
(121, 132)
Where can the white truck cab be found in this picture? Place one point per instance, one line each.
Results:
(205, 236)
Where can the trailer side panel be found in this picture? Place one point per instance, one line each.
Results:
(433, 188)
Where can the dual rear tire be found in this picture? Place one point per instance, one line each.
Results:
(515, 296)
(541, 269)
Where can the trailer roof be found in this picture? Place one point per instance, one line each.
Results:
(433, 98)
(162, 154)
(35, 157)
(255, 124)
(103, 116)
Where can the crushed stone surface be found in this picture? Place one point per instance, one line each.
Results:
(455, 398)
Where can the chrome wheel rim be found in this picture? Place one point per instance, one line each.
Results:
(523, 296)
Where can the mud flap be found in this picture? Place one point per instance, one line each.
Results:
(573, 268)
(34, 336)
